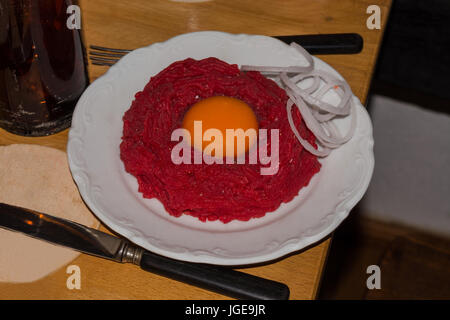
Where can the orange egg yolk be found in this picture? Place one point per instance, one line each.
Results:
(221, 113)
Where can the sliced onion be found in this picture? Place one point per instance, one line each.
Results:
(305, 144)
(317, 114)
(291, 69)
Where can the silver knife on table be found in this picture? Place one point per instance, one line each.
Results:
(67, 233)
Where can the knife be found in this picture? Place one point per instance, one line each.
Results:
(67, 233)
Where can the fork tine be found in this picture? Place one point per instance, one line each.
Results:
(99, 59)
(102, 63)
(106, 54)
(109, 49)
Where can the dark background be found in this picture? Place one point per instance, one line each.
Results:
(413, 66)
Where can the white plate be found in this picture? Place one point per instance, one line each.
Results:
(111, 193)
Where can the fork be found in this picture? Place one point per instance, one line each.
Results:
(102, 56)
(338, 43)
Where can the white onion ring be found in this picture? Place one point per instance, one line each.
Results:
(320, 153)
(291, 69)
(316, 113)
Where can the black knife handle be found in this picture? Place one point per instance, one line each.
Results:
(222, 280)
(338, 43)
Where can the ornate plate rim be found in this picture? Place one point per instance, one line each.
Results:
(87, 189)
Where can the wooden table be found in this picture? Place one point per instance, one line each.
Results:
(136, 23)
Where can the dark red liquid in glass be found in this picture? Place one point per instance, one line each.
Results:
(42, 66)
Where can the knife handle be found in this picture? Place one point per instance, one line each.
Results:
(338, 43)
(222, 280)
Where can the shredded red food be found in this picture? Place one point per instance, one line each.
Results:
(212, 191)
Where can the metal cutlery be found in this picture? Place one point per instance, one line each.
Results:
(63, 232)
(339, 43)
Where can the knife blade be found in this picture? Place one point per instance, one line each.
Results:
(76, 236)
